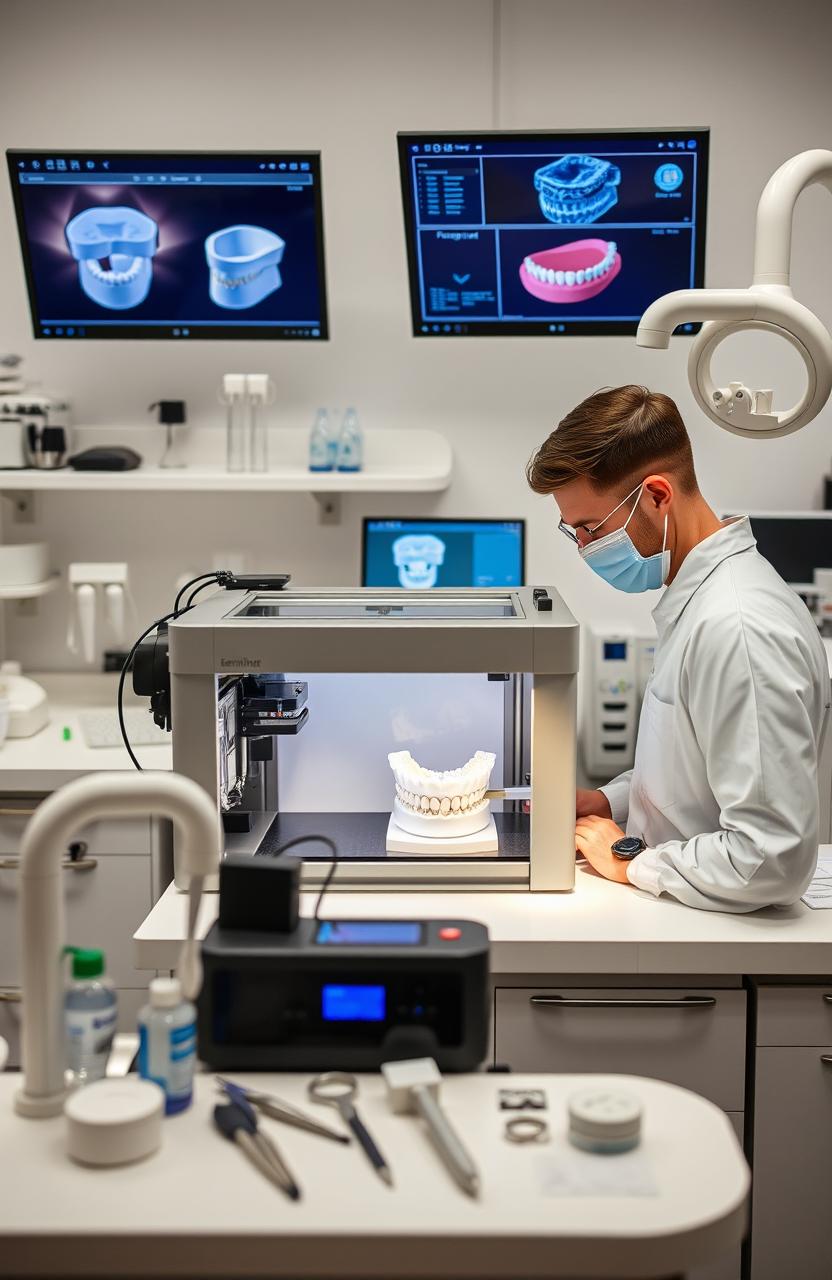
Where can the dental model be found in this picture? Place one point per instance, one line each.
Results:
(441, 805)
(114, 247)
(243, 265)
(576, 189)
(572, 272)
(417, 558)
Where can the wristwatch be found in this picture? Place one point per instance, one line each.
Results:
(628, 847)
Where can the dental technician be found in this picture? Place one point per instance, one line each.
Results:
(721, 807)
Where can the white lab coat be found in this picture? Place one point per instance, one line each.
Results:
(724, 788)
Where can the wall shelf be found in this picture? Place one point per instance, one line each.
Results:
(396, 461)
(31, 590)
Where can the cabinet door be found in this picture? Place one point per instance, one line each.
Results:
(792, 1187)
(105, 904)
(694, 1038)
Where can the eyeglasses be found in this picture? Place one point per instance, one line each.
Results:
(589, 531)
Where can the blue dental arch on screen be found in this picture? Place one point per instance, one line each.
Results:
(417, 558)
(243, 265)
(577, 189)
(114, 247)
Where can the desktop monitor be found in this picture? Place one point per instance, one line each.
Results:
(419, 554)
(167, 244)
(796, 543)
(550, 233)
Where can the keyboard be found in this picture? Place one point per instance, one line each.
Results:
(101, 728)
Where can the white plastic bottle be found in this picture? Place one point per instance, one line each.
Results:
(322, 444)
(167, 1043)
(91, 1010)
(350, 443)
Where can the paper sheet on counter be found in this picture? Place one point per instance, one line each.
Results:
(819, 894)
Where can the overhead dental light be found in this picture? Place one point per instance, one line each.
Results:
(767, 305)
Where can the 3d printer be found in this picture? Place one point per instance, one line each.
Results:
(286, 705)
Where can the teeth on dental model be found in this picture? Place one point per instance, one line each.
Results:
(549, 275)
(442, 794)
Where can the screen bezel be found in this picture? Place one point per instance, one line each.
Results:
(540, 328)
(368, 520)
(218, 333)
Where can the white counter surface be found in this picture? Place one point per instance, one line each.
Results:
(600, 928)
(45, 761)
(197, 1207)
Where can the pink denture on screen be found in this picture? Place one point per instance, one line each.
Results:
(572, 272)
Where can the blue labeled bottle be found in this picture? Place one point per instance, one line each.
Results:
(90, 1012)
(167, 1043)
(322, 443)
(350, 455)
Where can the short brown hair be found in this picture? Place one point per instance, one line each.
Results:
(614, 437)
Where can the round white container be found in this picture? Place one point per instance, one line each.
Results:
(604, 1120)
(114, 1121)
(23, 564)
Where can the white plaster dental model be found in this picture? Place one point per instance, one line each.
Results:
(443, 806)
(243, 265)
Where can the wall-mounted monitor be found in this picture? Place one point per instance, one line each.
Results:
(550, 233)
(420, 554)
(177, 245)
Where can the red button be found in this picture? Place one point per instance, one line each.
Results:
(450, 933)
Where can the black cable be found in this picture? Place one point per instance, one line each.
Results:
(120, 695)
(192, 597)
(290, 844)
(201, 577)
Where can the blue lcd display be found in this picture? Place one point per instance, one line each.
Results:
(615, 650)
(353, 1003)
(419, 554)
(370, 933)
(550, 233)
(172, 245)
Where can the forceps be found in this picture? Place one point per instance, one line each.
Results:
(337, 1089)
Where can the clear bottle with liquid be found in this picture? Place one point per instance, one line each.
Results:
(237, 429)
(167, 1043)
(90, 1014)
(350, 455)
(322, 443)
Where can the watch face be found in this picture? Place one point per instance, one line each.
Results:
(628, 847)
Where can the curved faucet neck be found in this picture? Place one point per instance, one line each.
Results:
(775, 213)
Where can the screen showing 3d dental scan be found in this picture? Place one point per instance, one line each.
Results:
(172, 245)
(419, 554)
(550, 233)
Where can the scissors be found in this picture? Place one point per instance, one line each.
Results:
(337, 1089)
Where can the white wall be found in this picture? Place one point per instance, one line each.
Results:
(344, 75)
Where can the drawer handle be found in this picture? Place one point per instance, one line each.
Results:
(827, 998)
(572, 1002)
(10, 997)
(68, 864)
(17, 813)
(826, 1059)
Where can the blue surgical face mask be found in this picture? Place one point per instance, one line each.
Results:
(617, 560)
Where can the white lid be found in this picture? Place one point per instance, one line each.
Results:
(604, 1113)
(114, 1121)
(165, 993)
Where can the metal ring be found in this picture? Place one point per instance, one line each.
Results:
(333, 1087)
(526, 1129)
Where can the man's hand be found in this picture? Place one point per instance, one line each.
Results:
(592, 803)
(593, 839)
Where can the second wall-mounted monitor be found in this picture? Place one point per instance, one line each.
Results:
(550, 233)
(168, 244)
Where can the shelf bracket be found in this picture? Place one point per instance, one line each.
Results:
(23, 505)
(329, 507)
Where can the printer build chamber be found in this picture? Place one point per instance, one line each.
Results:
(441, 673)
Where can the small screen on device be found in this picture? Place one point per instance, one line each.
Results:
(369, 933)
(353, 1003)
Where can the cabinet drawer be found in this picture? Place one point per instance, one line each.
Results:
(693, 1038)
(792, 1165)
(116, 835)
(104, 907)
(794, 1015)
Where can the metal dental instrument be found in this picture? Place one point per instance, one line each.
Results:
(337, 1089)
(277, 1109)
(413, 1086)
(237, 1122)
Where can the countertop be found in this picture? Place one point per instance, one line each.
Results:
(600, 928)
(197, 1208)
(44, 762)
